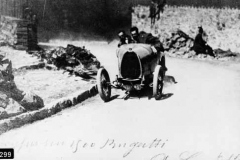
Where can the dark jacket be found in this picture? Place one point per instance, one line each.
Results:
(199, 45)
(148, 38)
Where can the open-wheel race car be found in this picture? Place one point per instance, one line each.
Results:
(138, 67)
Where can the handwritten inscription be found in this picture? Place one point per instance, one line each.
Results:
(113, 144)
(182, 156)
(77, 146)
(126, 149)
(221, 156)
(186, 155)
(160, 156)
(156, 143)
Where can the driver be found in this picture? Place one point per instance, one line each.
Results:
(148, 38)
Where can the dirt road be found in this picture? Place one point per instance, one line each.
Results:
(198, 120)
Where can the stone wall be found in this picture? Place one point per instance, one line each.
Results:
(197, 3)
(13, 32)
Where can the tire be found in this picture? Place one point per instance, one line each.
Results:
(158, 82)
(103, 84)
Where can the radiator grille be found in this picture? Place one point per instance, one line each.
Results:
(130, 66)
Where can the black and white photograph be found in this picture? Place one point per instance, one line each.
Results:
(120, 79)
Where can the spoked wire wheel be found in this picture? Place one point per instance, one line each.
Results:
(103, 84)
(158, 82)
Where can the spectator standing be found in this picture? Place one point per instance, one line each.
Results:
(152, 13)
(32, 29)
(160, 8)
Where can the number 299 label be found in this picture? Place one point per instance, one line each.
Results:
(6, 153)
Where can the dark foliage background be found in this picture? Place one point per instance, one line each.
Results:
(98, 17)
(90, 17)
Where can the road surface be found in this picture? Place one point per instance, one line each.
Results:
(198, 119)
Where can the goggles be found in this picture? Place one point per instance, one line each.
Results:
(120, 35)
(134, 33)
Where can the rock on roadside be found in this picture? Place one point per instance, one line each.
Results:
(12, 100)
(31, 101)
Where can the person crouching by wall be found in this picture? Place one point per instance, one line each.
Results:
(200, 45)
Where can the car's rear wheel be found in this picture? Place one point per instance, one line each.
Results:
(158, 82)
(103, 84)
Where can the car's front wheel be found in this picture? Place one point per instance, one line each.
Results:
(103, 84)
(158, 81)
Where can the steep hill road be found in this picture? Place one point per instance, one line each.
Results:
(199, 119)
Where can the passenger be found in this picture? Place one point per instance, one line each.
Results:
(148, 38)
(200, 45)
(123, 38)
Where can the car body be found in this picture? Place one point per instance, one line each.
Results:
(137, 66)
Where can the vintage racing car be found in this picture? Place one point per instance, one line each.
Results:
(138, 67)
